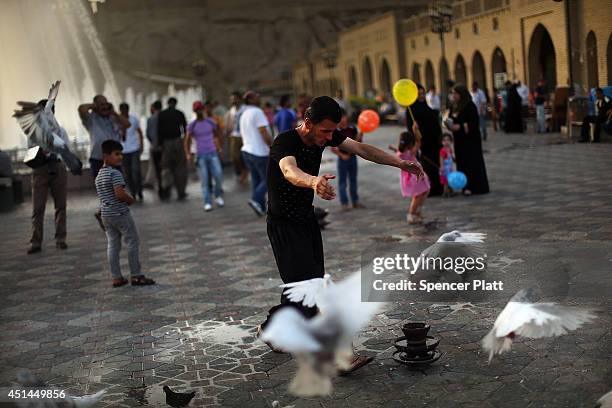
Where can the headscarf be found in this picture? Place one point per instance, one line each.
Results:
(464, 98)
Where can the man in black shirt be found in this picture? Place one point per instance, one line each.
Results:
(293, 180)
(603, 114)
(171, 126)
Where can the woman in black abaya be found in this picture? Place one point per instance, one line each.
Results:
(513, 122)
(468, 145)
(428, 123)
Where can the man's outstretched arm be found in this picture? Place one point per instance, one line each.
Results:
(376, 155)
(299, 178)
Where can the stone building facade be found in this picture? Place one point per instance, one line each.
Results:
(489, 41)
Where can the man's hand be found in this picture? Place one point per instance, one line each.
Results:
(412, 167)
(322, 187)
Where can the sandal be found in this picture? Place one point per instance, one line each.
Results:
(356, 364)
(142, 281)
(119, 282)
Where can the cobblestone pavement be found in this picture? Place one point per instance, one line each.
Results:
(549, 210)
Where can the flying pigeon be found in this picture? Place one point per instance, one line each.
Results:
(39, 124)
(605, 401)
(457, 244)
(307, 292)
(522, 317)
(322, 345)
(28, 380)
(178, 399)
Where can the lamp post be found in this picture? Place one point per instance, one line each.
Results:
(199, 70)
(330, 58)
(441, 14)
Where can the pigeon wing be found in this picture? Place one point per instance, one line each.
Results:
(52, 95)
(550, 319)
(454, 250)
(306, 292)
(87, 401)
(290, 332)
(29, 117)
(605, 401)
(471, 237)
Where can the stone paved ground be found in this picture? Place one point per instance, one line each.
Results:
(549, 212)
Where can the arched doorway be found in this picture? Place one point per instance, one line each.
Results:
(498, 69)
(368, 85)
(385, 77)
(352, 81)
(460, 73)
(430, 78)
(478, 70)
(416, 73)
(591, 61)
(609, 59)
(542, 60)
(444, 77)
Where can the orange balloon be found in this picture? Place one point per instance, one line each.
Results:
(368, 121)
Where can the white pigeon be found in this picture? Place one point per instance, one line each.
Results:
(605, 401)
(455, 245)
(307, 292)
(28, 380)
(522, 317)
(322, 344)
(39, 124)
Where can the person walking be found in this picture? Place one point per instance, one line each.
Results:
(207, 136)
(540, 103)
(234, 138)
(285, 118)
(347, 165)
(603, 115)
(171, 125)
(480, 100)
(133, 144)
(255, 149)
(433, 100)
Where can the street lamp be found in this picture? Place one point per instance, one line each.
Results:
(330, 59)
(199, 70)
(441, 14)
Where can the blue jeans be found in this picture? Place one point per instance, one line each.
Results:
(483, 126)
(257, 166)
(209, 162)
(348, 168)
(541, 118)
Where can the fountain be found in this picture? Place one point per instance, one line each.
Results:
(416, 348)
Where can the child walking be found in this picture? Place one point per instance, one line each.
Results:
(447, 157)
(411, 187)
(347, 165)
(116, 217)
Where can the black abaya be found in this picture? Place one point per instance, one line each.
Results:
(513, 122)
(468, 150)
(429, 125)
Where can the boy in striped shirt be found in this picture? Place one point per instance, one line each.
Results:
(116, 217)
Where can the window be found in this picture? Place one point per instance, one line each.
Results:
(475, 28)
(457, 34)
(413, 44)
(495, 24)
(426, 40)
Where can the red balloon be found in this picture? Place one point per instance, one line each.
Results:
(368, 121)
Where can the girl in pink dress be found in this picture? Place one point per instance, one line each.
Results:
(411, 187)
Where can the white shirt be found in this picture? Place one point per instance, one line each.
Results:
(480, 100)
(229, 120)
(433, 100)
(523, 92)
(251, 120)
(131, 143)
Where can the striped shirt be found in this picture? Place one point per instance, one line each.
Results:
(107, 179)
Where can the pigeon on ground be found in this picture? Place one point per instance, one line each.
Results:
(523, 317)
(39, 124)
(28, 380)
(605, 401)
(323, 344)
(455, 245)
(307, 292)
(178, 399)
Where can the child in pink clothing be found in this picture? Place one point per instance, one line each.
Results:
(411, 187)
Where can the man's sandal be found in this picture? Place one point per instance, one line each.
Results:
(117, 282)
(142, 281)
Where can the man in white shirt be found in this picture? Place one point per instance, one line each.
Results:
(480, 100)
(132, 149)
(256, 141)
(433, 99)
(523, 91)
